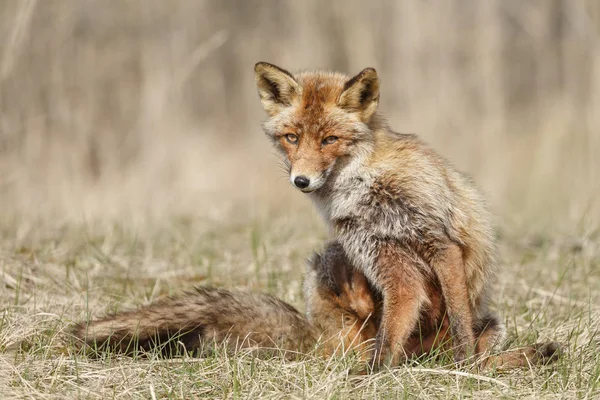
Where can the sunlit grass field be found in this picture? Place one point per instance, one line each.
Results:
(54, 276)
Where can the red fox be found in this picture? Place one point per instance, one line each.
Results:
(404, 216)
(343, 311)
(411, 267)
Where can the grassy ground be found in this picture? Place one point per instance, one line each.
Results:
(53, 276)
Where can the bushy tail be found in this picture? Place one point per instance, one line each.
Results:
(196, 320)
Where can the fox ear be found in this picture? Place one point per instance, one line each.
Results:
(361, 94)
(277, 87)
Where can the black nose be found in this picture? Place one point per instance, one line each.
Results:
(301, 182)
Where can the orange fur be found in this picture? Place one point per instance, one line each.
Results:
(402, 214)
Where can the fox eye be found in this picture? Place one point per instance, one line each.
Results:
(291, 138)
(329, 140)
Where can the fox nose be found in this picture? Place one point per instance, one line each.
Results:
(301, 182)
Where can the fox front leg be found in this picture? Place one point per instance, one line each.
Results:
(449, 267)
(404, 294)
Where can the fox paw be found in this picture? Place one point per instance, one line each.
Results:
(548, 352)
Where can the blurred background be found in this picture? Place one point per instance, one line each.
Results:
(147, 108)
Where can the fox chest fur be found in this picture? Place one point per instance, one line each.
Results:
(382, 201)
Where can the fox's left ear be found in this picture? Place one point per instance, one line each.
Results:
(361, 94)
(276, 86)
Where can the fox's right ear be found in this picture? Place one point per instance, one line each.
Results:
(277, 87)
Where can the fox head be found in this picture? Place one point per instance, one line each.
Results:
(318, 120)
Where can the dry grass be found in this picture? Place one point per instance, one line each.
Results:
(132, 166)
(548, 291)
